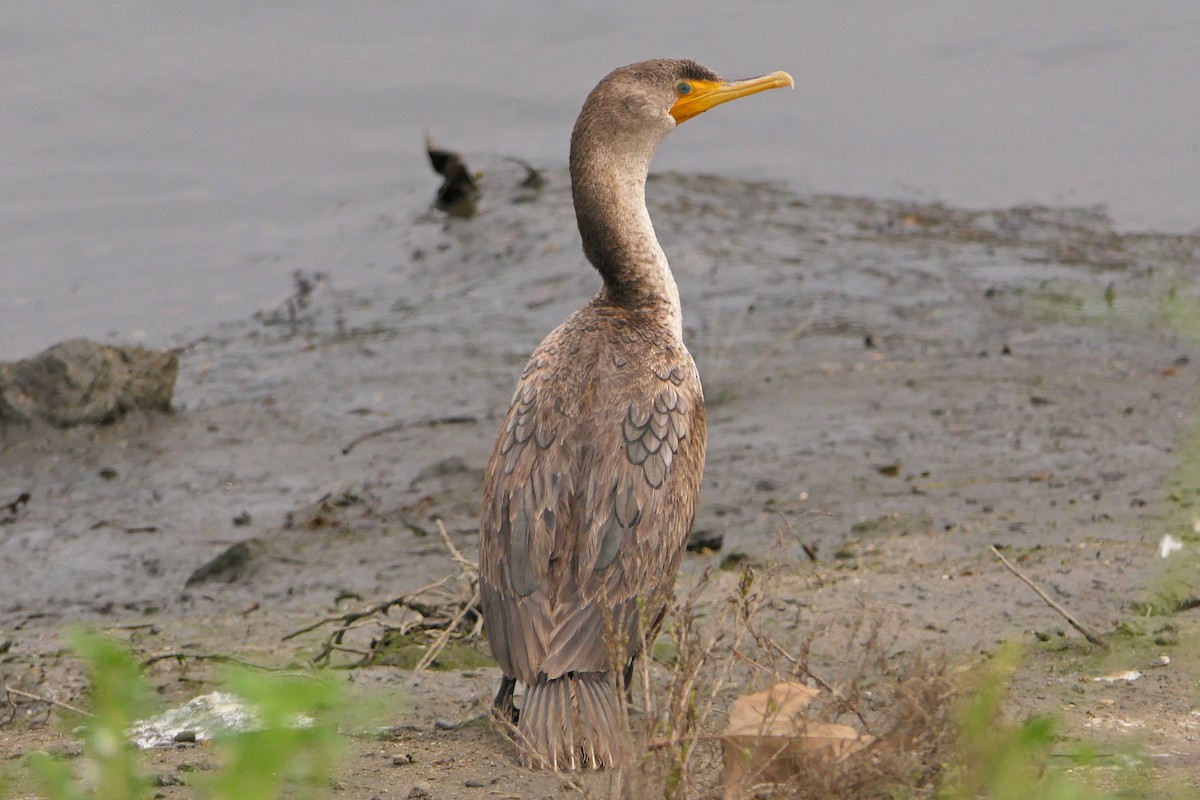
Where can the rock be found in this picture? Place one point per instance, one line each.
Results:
(230, 565)
(10, 512)
(453, 465)
(705, 541)
(459, 194)
(79, 382)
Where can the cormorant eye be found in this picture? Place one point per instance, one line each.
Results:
(684, 88)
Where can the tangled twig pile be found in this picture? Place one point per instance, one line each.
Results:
(432, 617)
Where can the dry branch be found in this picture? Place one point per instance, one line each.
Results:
(440, 612)
(460, 419)
(9, 691)
(219, 657)
(1087, 632)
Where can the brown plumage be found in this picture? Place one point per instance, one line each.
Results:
(592, 486)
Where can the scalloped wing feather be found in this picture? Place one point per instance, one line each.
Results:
(588, 500)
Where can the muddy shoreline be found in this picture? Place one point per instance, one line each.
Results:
(892, 387)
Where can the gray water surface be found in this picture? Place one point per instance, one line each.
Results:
(165, 167)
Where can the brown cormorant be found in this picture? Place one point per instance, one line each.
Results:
(592, 486)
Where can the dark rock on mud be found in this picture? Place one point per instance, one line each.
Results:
(9, 512)
(704, 540)
(454, 465)
(232, 564)
(458, 194)
(80, 382)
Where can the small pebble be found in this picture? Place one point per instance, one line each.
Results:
(445, 724)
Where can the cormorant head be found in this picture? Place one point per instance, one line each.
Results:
(634, 107)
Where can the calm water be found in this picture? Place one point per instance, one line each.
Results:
(165, 168)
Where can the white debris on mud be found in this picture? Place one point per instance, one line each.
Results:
(1168, 545)
(1128, 677)
(202, 718)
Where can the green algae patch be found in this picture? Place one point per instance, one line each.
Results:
(407, 650)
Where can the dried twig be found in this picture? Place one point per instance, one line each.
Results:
(11, 691)
(467, 565)
(439, 644)
(220, 657)
(437, 614)
(470, 570)
(399, 426)
(1087, 632)
(376, 609)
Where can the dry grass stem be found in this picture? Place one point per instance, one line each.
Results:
(1087, 632)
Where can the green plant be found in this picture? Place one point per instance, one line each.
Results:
(297, 741)
(294, 743)
(1002, 760)
(118, 694)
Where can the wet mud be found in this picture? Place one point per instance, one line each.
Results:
(892, 388)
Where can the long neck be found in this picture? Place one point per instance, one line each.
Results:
(609, 189)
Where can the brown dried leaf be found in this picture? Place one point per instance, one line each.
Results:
(770, 740)
(770, 712)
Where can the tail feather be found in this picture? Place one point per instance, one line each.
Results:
(572, 721)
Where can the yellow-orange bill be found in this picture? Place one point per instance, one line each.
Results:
(706, 94)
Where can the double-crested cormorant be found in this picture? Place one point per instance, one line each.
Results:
(592, 486)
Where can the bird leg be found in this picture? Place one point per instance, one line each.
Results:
(628, 678)
(653, 634)
(503, 704)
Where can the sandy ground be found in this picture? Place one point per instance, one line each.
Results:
(892, 387)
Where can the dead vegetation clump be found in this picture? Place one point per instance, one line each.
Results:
(868, 723)
(441, 620)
